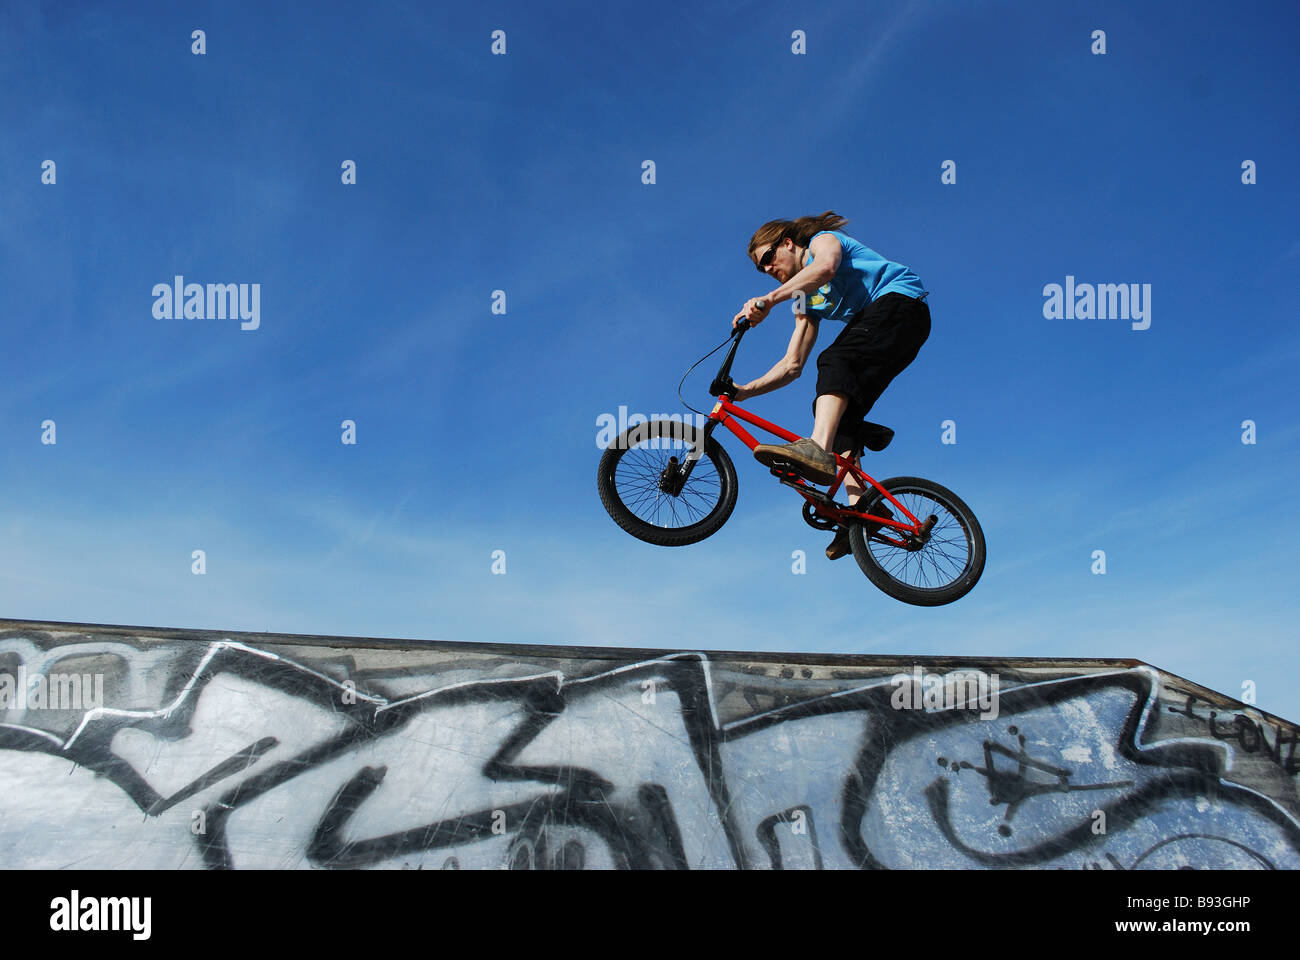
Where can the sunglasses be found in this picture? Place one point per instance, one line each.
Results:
(766, 260)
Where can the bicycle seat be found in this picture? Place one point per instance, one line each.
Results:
(863, 433)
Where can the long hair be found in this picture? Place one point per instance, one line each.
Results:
(801, 231)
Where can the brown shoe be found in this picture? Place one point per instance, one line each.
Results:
(811, 461)
(840, 546)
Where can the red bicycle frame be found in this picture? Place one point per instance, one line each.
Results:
(725, 412)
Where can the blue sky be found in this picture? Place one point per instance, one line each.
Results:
(522, 173)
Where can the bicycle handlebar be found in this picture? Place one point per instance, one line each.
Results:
(722, 383)
(745, 324)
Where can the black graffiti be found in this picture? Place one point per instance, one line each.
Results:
(1250, 735)
(1201, 775)
(572, 813)
(641, 837)
(1014, 788)
(1255, 855)
(801, 823)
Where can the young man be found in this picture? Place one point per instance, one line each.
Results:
(882, 306)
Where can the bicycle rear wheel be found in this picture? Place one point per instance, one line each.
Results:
(635, 480)
(944, 568)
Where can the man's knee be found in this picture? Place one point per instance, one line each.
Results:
(839, 399)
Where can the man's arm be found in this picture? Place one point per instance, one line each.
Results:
(826, 260)
(788, 367)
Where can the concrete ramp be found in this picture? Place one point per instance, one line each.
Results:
(131, 747)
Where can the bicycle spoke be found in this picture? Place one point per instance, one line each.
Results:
(945, 556)
(637, 480)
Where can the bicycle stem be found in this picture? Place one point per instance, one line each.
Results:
(722, 385)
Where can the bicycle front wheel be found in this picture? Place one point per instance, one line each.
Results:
(636, 483)
(941, 570)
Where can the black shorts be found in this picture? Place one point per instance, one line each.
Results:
(874, 347)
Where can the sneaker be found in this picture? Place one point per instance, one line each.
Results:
(840, 546)
(811, 461)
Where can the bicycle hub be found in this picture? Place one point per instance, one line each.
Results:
(671, 480)
(916, 541)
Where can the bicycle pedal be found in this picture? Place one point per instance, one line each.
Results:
(784, 471)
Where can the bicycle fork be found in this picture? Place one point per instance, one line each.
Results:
(673, 477)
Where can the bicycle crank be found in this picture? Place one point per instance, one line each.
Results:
(812, 493)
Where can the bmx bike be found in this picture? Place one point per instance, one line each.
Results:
(671, 483)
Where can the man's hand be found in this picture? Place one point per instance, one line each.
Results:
(754, 311)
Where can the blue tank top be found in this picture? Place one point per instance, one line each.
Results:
(862, 276)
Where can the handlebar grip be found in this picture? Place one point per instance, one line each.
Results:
(745, 324)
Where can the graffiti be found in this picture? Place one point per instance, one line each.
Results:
(1252, 736)
(279, 753)
(1014, 788)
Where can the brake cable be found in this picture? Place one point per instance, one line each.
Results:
(696, 364)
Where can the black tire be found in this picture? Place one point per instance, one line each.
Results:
(628, 479)
(949, 564)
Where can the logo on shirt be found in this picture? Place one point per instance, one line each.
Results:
(818, 300)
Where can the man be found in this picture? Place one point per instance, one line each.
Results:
(886, 320)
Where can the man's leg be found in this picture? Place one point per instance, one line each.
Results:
(827, 413)
(852, 489)
(839, 546)
(829, 410)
